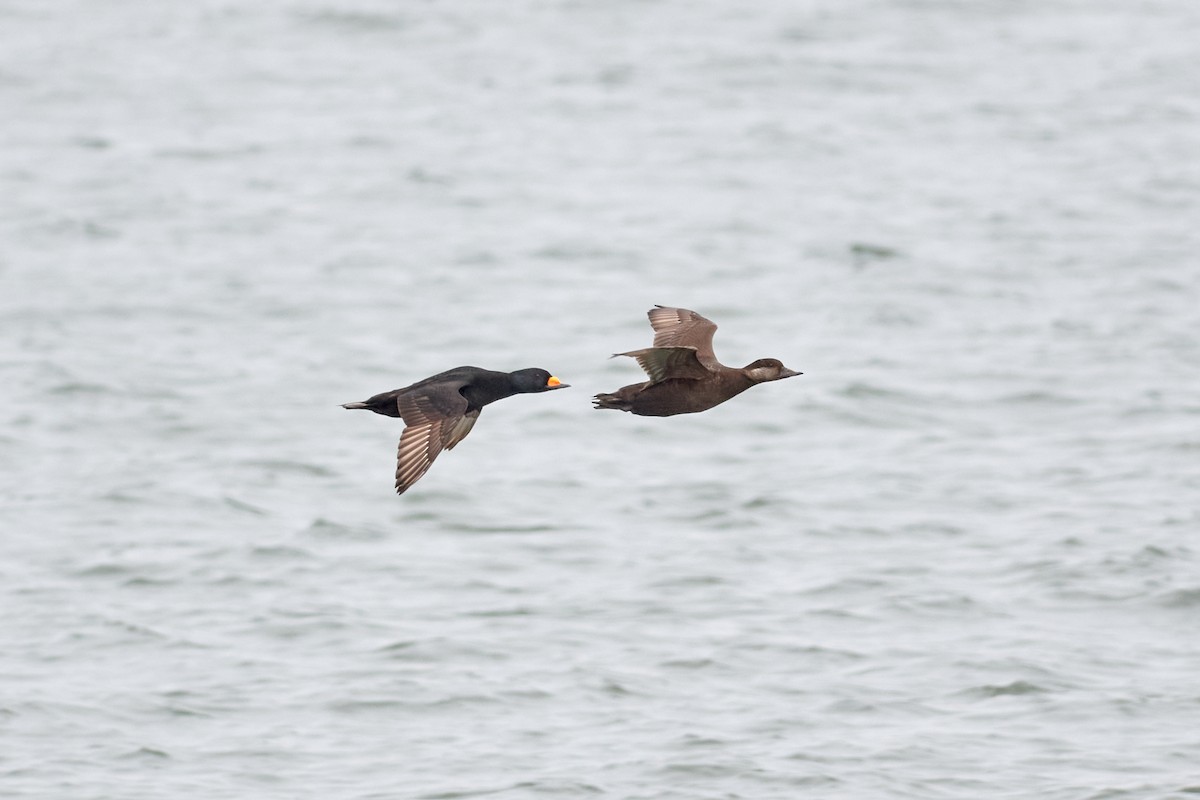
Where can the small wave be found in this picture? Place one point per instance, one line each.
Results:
(460, 700)
(431, 651)
(354, 21)
(839, 613)
(1181, 598)
(860, 391)
(945, 601)
(552, 788)
(326, 528)
(239, 505)
(143, 582)
(92, 142)
(179, 711)
(528, 694)
(518, 611)
(844, 586)
(572, 252)
(1040, 398)
(279, 551)
(689, 663)
(865, 252)
(121, 496)
(464, 527)
(690, 580)
(207, 153)
(145, 753)
(615, 689)
(813, 651)
(1151, 554)
(295, 467)
(850, 532)
(694, 740)
(422, 175)
(465, 793)
(932, 528)
(850, 705)
(368, 706)
(718, 769)
(80, 387)
(765, 502)
(104, 570)
(413, 651)
(1014, 688)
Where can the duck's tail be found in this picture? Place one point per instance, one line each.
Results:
(613, 401)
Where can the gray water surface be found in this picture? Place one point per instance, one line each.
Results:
(956, 559)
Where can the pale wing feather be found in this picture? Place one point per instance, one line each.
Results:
(429, 430)
(680, 327)
(419, 446)
(455, 430)
(663, 363)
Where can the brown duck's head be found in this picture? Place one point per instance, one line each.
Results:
(768, 369)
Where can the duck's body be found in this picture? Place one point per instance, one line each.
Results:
(675, 395)
(685, 376)
(439, 411)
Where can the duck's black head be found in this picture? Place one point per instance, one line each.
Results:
(534, 380)
(768, 369)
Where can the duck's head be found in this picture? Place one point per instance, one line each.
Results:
(535, 380)
(768, 369)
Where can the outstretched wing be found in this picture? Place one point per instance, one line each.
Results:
(434, 421)
(664, 363)
(679, 327)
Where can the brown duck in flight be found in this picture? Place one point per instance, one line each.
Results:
(685, 376)
(440, 411)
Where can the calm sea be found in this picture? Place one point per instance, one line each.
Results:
(958, 558)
